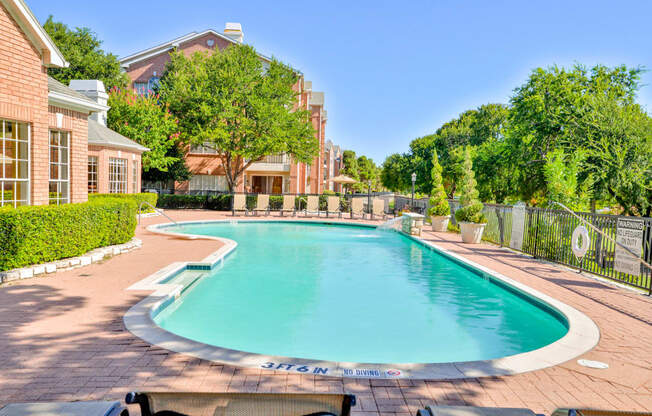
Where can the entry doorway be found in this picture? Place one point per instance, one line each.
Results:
(267, 184)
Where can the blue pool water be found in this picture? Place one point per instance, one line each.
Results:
(354, 294)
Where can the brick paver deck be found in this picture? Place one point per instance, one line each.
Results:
(62, 338)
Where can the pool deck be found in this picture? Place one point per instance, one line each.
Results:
(63, 338)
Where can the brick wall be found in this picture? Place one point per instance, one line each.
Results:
(24, 96)
(103, 154)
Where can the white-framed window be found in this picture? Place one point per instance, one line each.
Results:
(205, 149)
(59, 189)
(117, 175)
(141, 88)
(153, 83)
(14, 163)
(134, 176)
(208, 183)
(92, 174)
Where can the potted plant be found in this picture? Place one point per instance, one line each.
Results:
(470, 216)
(439, 210)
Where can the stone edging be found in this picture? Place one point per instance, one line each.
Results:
(92, 256)
(583, 334)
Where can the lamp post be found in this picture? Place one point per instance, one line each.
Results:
(369, 195)
(414, 179)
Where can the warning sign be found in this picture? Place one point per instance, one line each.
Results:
(629, 233)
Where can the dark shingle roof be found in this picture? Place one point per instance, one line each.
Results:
(103, 136)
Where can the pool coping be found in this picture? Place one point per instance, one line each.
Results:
(582, 336)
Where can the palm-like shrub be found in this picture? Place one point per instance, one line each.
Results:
(471, 209)
(438, 202)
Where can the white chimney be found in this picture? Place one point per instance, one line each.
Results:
(234, 31)
(93, 89)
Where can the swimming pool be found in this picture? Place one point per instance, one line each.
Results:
(343, 293)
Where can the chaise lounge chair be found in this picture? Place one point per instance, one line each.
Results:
(262, 204)
(312, 205)
(357, 207)
(240, 203)
(333, 206)
(288, 205)
(241, 404)
(378, 208)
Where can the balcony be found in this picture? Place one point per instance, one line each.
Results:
(271, 163)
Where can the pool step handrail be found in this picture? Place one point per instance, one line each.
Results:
(160, 211)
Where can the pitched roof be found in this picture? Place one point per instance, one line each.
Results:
(164, 47)
(101, 135)
(50, 54)
(59, 94)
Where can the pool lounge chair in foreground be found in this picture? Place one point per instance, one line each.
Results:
(333, 206)
(262, 204)
(288, 205)
(240, 203)
(357, 207)
(241, 404)
(312, 205)
(378, 209)
(432, 410)
(596, 412)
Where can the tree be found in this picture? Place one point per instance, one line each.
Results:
(550, 106)
(561, 173)
(438, 202)
(229, 102)
(471, 207)
(368, 173)
(394, 172)
(87, 60)
(142, 119)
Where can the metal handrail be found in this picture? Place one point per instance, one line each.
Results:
(633, 254)
(160, 211)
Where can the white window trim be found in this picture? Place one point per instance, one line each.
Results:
(67, 165)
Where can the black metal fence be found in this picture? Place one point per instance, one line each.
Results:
(548, 235)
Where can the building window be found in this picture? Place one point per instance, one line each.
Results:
(59, 167)
(153, 83)
(205, 149)
(140, 88)
(14, 163)
(92, 174)
(117, 175)
(208, 183)
(134, 176)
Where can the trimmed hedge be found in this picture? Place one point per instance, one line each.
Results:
(223, 202)
(38, 234)
(137, 198)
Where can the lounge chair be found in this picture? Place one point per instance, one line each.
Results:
(312, 205)
(333, 206)
(357, 207)
(289, 205)
(240, 203)
(378, 208)
(236, 404)
(436, 410)
(262, 204)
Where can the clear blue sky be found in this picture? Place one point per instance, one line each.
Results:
(392, 71)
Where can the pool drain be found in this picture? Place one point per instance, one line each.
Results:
(593, 364)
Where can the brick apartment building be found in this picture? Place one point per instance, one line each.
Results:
(332, 166)
(275, 173)
(44, 125)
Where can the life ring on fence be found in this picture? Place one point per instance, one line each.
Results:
(580, 250)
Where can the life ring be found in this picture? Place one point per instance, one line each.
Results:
(580, 250)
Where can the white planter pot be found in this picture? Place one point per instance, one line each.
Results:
(440, 223)
(471, 232)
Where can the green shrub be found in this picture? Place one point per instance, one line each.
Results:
(220, 202)
(438, 202)
(38, 234)
(471, 207)
(137, 198)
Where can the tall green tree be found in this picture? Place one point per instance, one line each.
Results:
(229, 102)
(368, 173)
(438, 203)
(82, 49)
(471, 207)
(142, 119)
